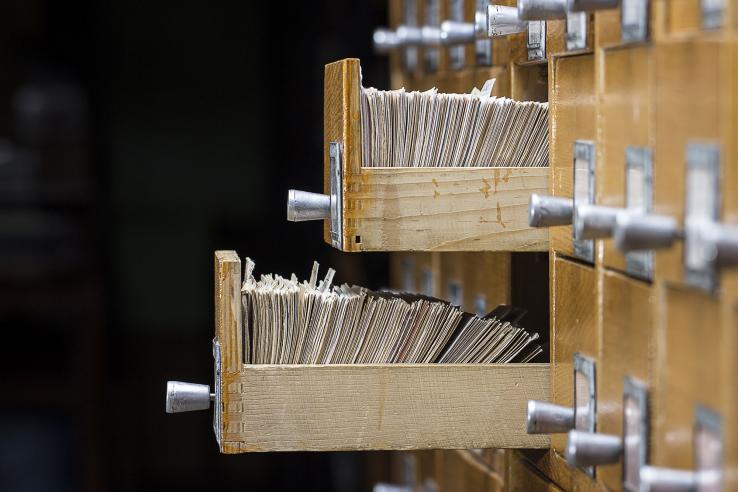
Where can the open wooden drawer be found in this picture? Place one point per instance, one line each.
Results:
(356, 407)
(412, 208)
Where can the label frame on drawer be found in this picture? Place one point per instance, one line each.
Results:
(701, 205)
(576, 30)
(536, 40)
(334, 152)
(585, 367)
(482, 47)
(634, 21)
(639, 199)
(410, 18)
(217, 426)
(637, 392)
(584, 166)
(432, 55)
(713, 13)
(709, 448)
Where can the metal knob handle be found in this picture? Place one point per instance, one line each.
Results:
(548, 418)
(594, 221)
(503, 20)
(719, 243)
(430, 36)
(548, 211)
(303, 205)
(409, 35)
(589, 5)
(453, 32)
(656, 479)
(534, 10)
(592, 449)
(639, 232)
(187, 397)
(386, 40)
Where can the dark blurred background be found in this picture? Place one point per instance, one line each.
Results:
(135, 139)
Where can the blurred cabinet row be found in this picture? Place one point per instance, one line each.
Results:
(643, 304)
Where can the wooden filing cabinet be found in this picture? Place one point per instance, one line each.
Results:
(574, 327)
(684, 69)
(572, 108)
(627, 350)
(625, 119)
(688, 371)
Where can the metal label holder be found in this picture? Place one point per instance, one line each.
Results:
(639, 200)
(217, 426)
(702, 206)
(708, 449)
(584, 192)
(585, 395)
(408, 274)
(457, 54)
(576, 30)
(480, 305)
(426, 282)
(483, 47)
(635, 432)
(336, 195)
(410, 53)
(455, 293)
(634, 20)
(712, 13)
(536, 43)
(432, 19)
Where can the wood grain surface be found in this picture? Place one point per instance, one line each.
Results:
(443, 209)
(395, 406)
(625, 116)
(571, 118)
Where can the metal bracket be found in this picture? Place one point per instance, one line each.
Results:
(408, 274)
(426, 282)
(585, 395)
(702, 207)
(634, 20)
(639, 200)
(635, 432)
(483, 47)
(712, 13)
(336, 195)
(536, 40)
(480, 305)
(457, 53)
(455, 293)
(217, 426)
(584, 191)
(708, 449)
(410, 14)
(432, 19)
(576, 30)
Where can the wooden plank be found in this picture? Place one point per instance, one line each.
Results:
(443, 209)
(571, 117)
(392, 406)
(625, 117)
(627, 350)
(574, 328)
(228, 309)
